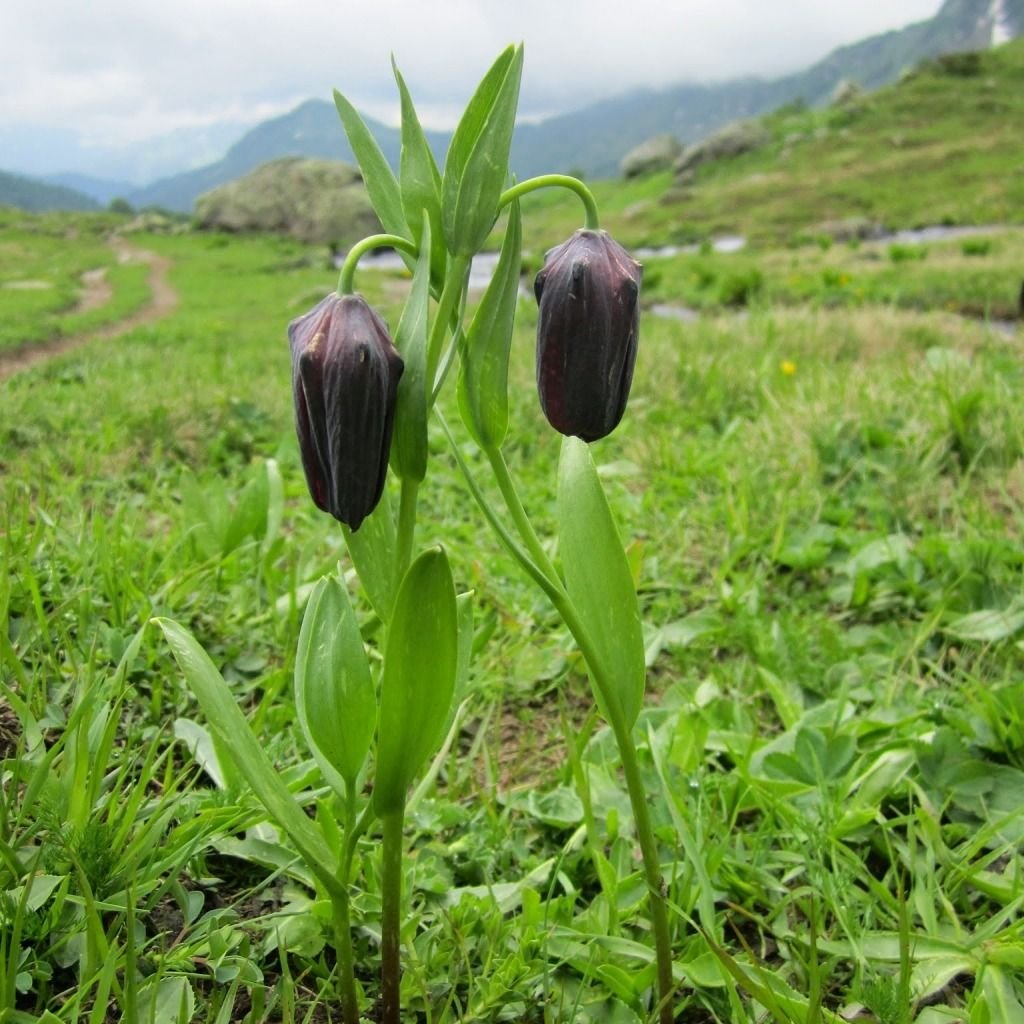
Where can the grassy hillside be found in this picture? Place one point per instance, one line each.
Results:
(943, 146)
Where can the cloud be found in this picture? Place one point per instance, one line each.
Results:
(124, 70)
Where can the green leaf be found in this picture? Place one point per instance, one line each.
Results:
(599, 582)
(420, 183)
(483, 382)
(377, 174)
(334, 693)
(409, 445)
(477, 165)
(372, 549)
(230, 727)
(420, 660)
(989, 625)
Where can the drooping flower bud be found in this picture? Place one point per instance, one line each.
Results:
(345, 373)
(587, 332)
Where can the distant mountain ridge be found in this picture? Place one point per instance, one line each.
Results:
(26, 193)
(593, 140)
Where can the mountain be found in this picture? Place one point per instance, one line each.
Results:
(30, 194)
(35, 150)
(593, 140)
(100, 189)
(311, 129)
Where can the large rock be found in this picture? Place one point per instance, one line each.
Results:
(847, 93)
(656, 154)
(732, 140)
(311, 200)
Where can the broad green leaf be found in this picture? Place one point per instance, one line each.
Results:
(989, 625)
(409, 444)
(372, 549)
(483, 382)
(477, 165)
(229, 725)
(599, 582)
(210, 756)
(167, 1001)
(334, 693)
(378, 177)
(420, 659)
(420, 183)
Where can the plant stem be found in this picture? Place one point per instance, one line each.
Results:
(348, 268)
(652, 869)
(346, 956)
(454, 287)
(591, 221)
(391, 917)
(406, 528)
(515, 507)
(341, 904)
(603, 690)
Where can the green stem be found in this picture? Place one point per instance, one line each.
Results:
(341, 905)
(652, 867)
(549, 586)
(391, 916)
(406, 528)
(346, 957)
(604, 691)
(348, 268)
(515, 507)
(454, 287)
(592, 221)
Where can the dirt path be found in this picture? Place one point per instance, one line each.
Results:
(97, 292)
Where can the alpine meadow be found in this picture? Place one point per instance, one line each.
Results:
(537, 599)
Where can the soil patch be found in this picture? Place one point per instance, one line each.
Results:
(97, 291)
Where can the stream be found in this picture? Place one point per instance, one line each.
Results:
(484, 264)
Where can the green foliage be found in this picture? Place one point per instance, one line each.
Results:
(476, 167)
(483, 377)
(334, 693)
(833, 745)
(419, 677)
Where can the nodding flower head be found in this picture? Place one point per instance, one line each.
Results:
(345, 373)
(587, 329)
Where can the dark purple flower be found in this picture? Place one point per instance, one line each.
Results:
(587, 330)
(345, 373)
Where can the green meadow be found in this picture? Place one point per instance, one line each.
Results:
(820, 483)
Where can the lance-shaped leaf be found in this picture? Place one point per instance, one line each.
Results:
(378, 177)
(372, 549)
(476, 168)
(483, 382)
(420, 660)
(230, 727)
(420, 183)
(599, 582)
(334, 693)
(409, 444)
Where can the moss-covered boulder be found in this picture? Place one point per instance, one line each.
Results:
(732, 140)
(311, 200)
(656, 154)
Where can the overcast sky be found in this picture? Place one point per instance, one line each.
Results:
(119, 71)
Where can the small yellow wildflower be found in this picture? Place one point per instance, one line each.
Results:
(788, 367)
